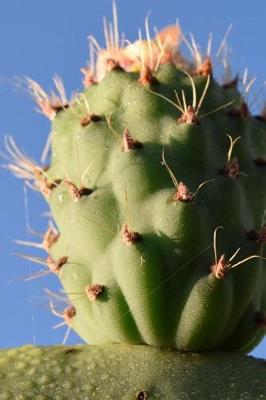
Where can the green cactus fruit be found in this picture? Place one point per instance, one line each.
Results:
(157, 186)
(128, 373)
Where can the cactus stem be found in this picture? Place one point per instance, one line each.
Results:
(107, 229)
(165, 267)
(94, 291)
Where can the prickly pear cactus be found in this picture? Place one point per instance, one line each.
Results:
(157, 186)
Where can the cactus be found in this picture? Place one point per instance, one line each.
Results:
(157, 187)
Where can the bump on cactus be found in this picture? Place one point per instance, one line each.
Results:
(157, 187)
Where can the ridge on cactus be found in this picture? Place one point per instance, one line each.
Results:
(157, 186)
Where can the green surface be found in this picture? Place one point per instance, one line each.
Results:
(119, 372)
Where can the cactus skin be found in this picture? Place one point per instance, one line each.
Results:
(127, 373)
(135, 252)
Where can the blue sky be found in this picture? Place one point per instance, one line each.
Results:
(41, 38)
